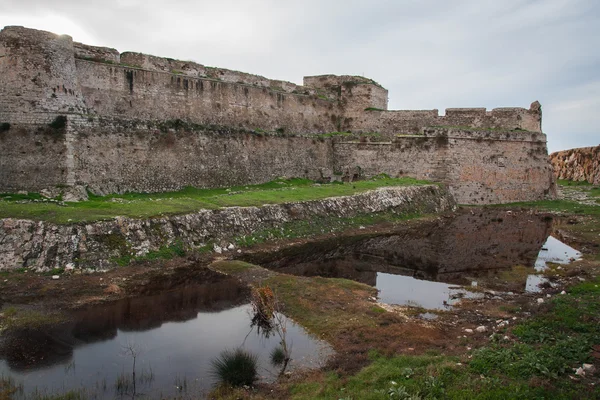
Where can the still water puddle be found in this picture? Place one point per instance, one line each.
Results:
(173, 335)
(406, 290)
(553, 251)
(432, 265)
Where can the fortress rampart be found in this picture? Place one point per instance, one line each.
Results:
(73, 114)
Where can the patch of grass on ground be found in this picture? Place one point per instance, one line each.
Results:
(564, 206)
(566, 182)
(315, 302)
(145, 205)
(536, 365)
(232, 266)
(16, 318)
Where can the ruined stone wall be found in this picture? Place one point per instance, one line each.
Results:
(136, 122)
(43, 246)
(581, 164)
(32, 158)
(478, 166)
(125, 92)
(413, 121)
(37, 76)
(114, 156)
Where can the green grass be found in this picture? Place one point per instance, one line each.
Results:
(565, 206)
(566, 182)
(537, 365)
(232, 266)
(19, 318)
(145, 205)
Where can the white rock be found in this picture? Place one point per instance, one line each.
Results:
(55, 277)
(481, 329)
(69, 267)
(474, 284)
(469, 330)
(563, 292)
(231, 246)
(361, 227)
(506, 338)
(589, 368)
(579, 371)
(239, 251)
(540, 301)
(217, 249)
(548, 295)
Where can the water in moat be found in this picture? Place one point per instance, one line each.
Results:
(174, 336)
(436, 264)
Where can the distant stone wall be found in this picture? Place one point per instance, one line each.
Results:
(43, 246)
(478, 166)
(581, 164)
(413, 121)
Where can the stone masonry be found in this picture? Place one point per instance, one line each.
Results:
(85, 116)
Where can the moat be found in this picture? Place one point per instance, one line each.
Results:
(176, 332)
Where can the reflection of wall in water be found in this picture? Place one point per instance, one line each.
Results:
(33, 348)
(442, 250)
(478, 241)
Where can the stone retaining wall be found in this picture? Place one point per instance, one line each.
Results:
(42, 246)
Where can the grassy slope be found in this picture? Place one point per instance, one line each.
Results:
(535, 366)
(146, 205)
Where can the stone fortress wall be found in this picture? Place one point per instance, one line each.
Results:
(73, 114)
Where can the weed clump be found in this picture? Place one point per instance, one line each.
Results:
(4, 127)
(277, 356)
(58, 123)
(235, 367)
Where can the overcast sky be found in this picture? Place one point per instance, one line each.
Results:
(427, 53)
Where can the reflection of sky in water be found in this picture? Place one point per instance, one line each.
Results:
(174, 351)
(557, 252)
(553, 251)
(406, 290)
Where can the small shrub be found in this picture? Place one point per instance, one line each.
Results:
(59, 122)
(4, 127)
(236, 368)
(277, 356)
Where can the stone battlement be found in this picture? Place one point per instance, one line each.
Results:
(43, 72)
(92, 116)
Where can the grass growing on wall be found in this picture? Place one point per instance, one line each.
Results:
(144, 205)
